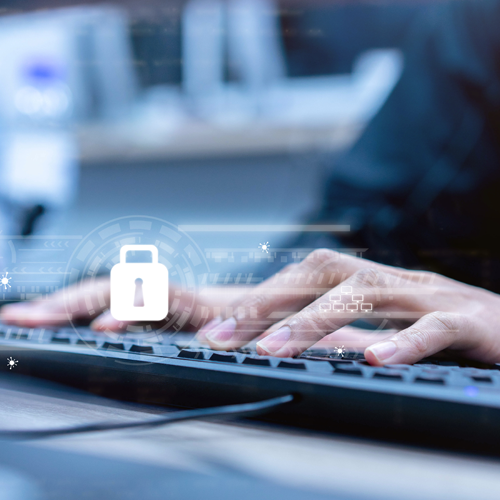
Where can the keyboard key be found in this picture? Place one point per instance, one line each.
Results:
(86, 343)
(226, 358)
(147, 349)
(343, 363)
(433, 373)
(358, 356)
(19, 336)
(388, 376)
(317, 353)
(166, 351)
(484, 380)
(113, 346)
(319, 366)
(435, 381)
(291, 364)
(36, 334)
(256, 361)
(61, 340)
(355, 373)
(346, 370)
(185, 353)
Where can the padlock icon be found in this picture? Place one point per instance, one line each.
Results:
(139, 291)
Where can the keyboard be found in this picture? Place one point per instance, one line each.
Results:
(435, 402)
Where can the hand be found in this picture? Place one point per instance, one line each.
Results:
(429, 313)
(95, 295)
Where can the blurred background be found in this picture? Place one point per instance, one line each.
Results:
(197, 112)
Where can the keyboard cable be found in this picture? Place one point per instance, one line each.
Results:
(237, 410)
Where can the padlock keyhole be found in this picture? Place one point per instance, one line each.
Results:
(138, 296)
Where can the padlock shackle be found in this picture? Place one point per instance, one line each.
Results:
(138, 248)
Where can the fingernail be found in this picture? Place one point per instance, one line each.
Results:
(103, 322)
(209, 326)
(383, 350)
(274, 342)
(223, 333)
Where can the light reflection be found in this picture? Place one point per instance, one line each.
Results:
(52, 102)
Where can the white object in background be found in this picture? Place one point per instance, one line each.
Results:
(248, 30)
(24, 46)
(254, 47)
(39, 167)
(65, 39)
(203, 48)
(139, 291)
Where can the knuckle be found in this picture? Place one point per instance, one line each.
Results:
(445, 320)
(309, 323)
(321, 257)
(256, 306)
(418, 339)
(439, 327)
(369, 277)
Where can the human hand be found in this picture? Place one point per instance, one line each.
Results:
(89, 300)
(428, 312)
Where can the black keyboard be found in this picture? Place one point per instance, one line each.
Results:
(439, 401)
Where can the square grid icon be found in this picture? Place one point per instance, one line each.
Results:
(338, 306)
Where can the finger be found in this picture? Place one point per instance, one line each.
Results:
(286, 293)
(84, 300)
(31, 315)
(363, 294)
(212, 302)
(429, 335)
(347, 338)
(201, 335)
(353, 338)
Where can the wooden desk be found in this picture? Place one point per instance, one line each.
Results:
(300, 459)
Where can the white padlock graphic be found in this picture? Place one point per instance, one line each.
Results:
(139, 291)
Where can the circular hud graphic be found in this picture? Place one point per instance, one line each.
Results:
(99, 251)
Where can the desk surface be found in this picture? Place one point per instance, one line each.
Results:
(311, 465)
